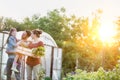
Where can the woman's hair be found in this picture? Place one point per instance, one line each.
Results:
(37, 32)
(28, 33)
(10, 34)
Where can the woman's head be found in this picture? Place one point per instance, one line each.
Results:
(36, 33)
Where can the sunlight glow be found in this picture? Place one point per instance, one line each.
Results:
(107, 32)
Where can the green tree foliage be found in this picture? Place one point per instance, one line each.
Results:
(1, 23)
(9, 23)
(56, 24)
(27, 23)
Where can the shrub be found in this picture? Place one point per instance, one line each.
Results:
(100, 74)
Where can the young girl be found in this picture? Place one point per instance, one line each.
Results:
(11, 46)
(23, 43)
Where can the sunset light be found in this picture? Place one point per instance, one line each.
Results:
(106, 32)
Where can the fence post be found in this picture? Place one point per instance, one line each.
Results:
(1, 56)
(52, 59)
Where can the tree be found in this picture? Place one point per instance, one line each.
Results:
(1, 23)
(9, 23)
(55, 23)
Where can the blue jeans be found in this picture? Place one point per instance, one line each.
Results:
(9, 71)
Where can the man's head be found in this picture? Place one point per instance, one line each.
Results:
(26, 34)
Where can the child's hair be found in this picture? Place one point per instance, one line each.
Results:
(37, 32)
(10, 34)
(28, 33)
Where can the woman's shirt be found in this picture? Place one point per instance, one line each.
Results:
(31, 61)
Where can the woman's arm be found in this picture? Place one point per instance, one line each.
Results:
(35, 45)
(23, 43)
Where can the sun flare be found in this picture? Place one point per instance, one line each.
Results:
(106, 32)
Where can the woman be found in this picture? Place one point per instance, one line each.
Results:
(34, 63)
(11, 45)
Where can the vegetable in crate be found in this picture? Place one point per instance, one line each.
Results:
(39, 51)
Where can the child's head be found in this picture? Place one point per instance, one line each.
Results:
(26, 34)
(12, 32)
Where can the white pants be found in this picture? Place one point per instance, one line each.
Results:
(33, 71)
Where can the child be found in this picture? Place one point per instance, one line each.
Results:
(22, 43)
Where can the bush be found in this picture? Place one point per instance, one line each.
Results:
(48, 78)
(100, 74)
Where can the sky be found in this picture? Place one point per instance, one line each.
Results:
(19, 9)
